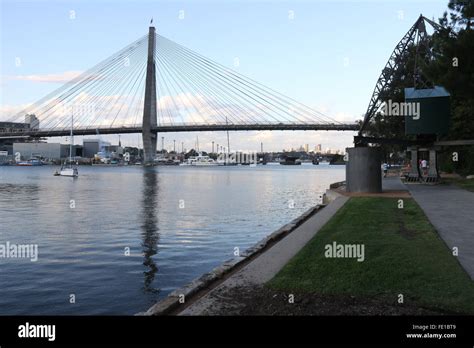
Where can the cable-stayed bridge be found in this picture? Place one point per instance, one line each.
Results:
(156, 85)
(127, 129)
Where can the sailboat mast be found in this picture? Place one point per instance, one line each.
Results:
(228, 141)
(72, 138)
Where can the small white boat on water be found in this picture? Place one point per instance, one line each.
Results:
(32, 162)
(200, 160)
(68, 168)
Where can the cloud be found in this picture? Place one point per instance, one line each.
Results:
(8, 111)
(124, 109)
(48, 78)
(340, 116)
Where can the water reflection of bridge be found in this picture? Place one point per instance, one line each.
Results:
(149, 227)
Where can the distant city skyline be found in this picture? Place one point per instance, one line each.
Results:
(330, 64)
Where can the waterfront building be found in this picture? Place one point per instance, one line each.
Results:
(6, 144)
(12, 126)
(32, 121)
(41, 150)
(93, 146)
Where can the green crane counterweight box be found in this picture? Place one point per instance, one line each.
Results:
(433, 111)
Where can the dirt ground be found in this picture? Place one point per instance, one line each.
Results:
(264, 301)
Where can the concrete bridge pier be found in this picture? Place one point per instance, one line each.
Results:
(149, 136)
(363, 170)
(149, 147)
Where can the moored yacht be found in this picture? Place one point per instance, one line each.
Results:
(31, 162)
(69, 168)
(199, 160)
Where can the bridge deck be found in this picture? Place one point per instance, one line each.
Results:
(180, 128)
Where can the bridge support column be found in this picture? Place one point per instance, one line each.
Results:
(149, 137)
(363, 170)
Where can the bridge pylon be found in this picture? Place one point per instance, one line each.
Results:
(149, 136)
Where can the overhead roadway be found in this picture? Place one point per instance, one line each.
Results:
(182, 128)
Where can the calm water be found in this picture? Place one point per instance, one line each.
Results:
(82, 249)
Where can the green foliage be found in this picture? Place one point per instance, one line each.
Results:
(451, 66)
(462, 12)
(337, 159)
(467, 184)
(190, 153)
(465, 163)
(133, 151)
(445, 162)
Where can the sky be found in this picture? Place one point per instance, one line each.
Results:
(325, 54)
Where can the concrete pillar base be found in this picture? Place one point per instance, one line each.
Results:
(149, 147)
(363, 170)
(414, 174)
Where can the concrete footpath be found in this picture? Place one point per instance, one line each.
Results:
(266, 265)
(451, 211)
(393, 183)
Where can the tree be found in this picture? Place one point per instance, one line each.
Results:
(453, 68)
(190, 153)
(449, 63)
(462, 13)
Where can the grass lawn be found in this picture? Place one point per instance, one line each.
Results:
(467, 184)
(403, 255)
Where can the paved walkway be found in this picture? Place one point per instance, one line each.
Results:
(393, 183)
(451, 211)
(267, 265)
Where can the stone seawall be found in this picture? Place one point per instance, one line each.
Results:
(208, 280)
